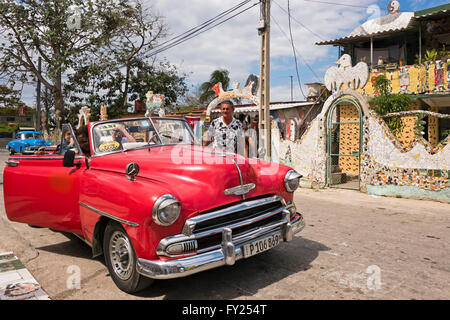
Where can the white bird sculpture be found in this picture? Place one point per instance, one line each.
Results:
(355, 77)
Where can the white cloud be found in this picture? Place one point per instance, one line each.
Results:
(235, 45)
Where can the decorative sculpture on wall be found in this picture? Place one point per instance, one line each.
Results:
(154, 101)
(292, 129)
(84, 114)
(245, 93)
(354, 77)
(103, 113)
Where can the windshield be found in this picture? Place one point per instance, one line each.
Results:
(117, 135)
(31, 135)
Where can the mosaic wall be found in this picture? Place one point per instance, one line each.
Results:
(349, 137)
(306, 155)
(407, 136)
(433, 128)
(385, 160)
(414, 79)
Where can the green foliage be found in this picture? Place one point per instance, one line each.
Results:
(206, 92)
(12, 111)
(13, 128)
(445, 134)
(420, 126)
(386, 103)
(9, 97)
(431, 55)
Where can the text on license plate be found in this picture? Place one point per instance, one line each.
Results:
(262, 245)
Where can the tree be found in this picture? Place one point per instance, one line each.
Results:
(220, 75)
(162, 78)
(192, 99)
(96, 85)
(134, 42)
(10, 97)
(65, 33)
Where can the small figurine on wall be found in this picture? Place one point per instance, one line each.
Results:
(154, 101)
(84, 114)
(103, 113)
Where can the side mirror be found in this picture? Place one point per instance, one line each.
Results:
(69, 159)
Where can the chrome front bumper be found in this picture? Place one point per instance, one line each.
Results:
(228, 254)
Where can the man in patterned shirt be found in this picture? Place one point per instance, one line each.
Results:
(226, 132)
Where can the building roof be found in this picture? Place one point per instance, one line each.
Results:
(378, 27)
(273, 106)
(433, 12)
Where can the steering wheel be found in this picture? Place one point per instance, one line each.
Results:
(168, 134)
(152, 138)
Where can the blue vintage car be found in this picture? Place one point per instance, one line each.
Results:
(26, 141)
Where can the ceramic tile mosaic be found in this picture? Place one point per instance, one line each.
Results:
(414, 79)
(384, 160)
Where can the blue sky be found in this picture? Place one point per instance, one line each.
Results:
(235, 45)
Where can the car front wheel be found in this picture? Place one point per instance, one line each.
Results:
(121, 260)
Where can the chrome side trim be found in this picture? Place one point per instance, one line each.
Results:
(83, 239)
(129, 223)
(192, 222)
(43, 158)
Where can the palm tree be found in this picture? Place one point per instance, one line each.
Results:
(219, 75)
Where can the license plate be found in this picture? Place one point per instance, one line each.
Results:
(261, 245)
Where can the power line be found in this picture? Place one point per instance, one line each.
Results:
(337, 4)
(293, 50)
(288, 38)
(314, 33)
(206, 26)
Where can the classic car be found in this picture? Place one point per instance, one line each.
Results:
(26, 141)
(155, 203)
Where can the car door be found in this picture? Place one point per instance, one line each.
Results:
(40, 191)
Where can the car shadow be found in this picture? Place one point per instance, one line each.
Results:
(245, 278)
(74, 247)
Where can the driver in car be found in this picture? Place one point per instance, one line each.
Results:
(121, 135)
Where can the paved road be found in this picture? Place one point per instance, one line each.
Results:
(354, 246)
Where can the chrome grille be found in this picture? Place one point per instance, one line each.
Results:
(189, 246)
(241, 218)
(246, 219)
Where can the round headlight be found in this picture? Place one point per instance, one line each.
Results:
(292, 180)
(166, 210)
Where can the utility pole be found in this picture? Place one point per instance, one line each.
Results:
(264, 94)
(38, 98)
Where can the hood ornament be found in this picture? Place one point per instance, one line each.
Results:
(240, 190)
(132, 170)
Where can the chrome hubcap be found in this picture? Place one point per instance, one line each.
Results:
(121, 255)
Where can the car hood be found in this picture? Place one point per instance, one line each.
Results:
(194, 174)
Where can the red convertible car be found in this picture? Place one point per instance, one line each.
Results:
(150, 199)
